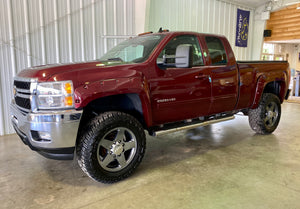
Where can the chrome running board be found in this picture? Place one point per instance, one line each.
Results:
(191, 126)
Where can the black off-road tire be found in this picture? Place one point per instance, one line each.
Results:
(111, 147)
(265, 118)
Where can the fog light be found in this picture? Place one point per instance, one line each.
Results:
(45, 136)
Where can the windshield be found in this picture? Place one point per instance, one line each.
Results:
(133, 50)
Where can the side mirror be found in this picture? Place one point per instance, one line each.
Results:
(184, 55)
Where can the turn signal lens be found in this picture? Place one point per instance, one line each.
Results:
(69, 101)
(68, 88)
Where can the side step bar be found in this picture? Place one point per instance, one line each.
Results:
(191, 126)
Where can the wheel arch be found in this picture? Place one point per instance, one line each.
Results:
(130, 103)
(277, 87)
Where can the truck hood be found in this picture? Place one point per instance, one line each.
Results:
(79, 72)
(44, 72)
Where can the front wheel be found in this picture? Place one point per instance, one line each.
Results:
(265, 118)
(111, 147)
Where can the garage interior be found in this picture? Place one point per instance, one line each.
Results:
(224, 165)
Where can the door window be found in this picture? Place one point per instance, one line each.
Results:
(168, 54)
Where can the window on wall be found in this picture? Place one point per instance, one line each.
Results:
(216, 50)
(170, 50)
(268, 52)
(272, 52)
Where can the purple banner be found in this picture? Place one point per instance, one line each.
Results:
(242, 27)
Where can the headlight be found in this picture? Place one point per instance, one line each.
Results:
(55, 95)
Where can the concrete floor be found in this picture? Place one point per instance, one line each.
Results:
(224, 165)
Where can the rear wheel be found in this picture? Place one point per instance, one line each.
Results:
(112, 146)
(265, 118)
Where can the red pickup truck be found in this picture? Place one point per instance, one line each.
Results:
(159, 82)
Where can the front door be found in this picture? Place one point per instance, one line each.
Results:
(180, 92)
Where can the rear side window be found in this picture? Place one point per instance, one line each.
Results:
(216, 50)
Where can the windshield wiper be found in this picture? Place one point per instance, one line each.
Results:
(115, 59)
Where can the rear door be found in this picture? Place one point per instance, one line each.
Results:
(224, 75)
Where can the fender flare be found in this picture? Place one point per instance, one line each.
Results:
(89, 92)
(263, 80)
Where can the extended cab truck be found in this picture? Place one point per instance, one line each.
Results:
(159, 82)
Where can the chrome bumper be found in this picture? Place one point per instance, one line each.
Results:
(52, 134)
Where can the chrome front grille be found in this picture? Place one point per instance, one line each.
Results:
(23, 91)
(23, 102)
(22, 84)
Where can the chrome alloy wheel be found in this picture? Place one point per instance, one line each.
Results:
(272, 114)
(116, 149)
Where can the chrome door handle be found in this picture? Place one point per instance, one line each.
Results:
(201, 76)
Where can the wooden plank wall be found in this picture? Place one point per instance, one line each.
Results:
(285, 24)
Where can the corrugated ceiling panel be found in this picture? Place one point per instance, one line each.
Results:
(36, 32)
(206, 16)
